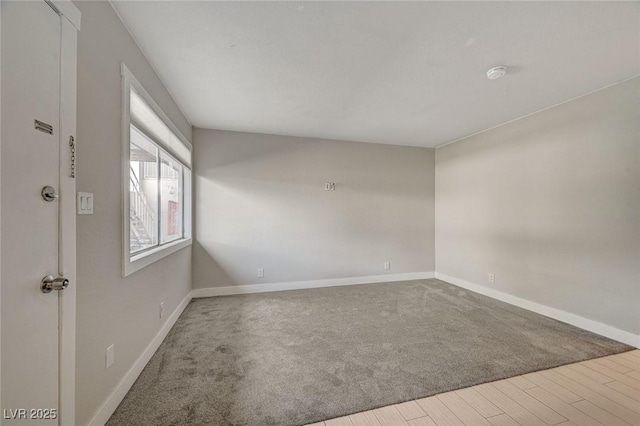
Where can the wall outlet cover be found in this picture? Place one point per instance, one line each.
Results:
(110, 357)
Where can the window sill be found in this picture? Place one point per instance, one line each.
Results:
(139, 261)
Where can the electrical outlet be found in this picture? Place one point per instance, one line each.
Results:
(387, 265)
(110, 356)
(161, 309)
(260, 272)
(329, 186)
(492, 278)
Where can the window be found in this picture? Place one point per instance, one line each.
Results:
(157, 190)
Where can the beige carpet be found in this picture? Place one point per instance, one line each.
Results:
(297, 357)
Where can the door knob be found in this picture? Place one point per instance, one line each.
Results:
(49, 193)
(49, 284)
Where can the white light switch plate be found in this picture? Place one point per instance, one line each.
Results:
(84, 202)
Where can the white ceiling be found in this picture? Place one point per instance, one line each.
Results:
(403, 73)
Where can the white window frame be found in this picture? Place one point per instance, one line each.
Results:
(133, 263)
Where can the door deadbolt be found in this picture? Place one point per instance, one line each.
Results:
(48, 284)
(49, 193)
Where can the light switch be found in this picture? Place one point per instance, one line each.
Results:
(84, 201)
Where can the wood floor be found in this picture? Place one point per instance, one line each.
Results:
(603, 391)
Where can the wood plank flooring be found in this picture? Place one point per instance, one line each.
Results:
(598, 392)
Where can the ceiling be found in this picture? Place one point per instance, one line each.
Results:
(406, 73)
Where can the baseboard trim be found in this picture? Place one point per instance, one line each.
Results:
(557, 314)
(108, 407)
(298, 285)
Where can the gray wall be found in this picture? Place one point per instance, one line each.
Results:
(260, 203)
(551, 205)
(111, 309)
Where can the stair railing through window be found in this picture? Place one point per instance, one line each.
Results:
(144, 231)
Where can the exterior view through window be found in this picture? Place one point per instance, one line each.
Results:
(157, 189)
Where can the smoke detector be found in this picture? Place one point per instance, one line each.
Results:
(496, 72)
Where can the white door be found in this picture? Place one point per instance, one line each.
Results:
(31, 232)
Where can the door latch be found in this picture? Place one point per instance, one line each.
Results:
(72, 147)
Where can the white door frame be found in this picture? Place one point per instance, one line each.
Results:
(0, 213)
(67, 238)
(70, 25)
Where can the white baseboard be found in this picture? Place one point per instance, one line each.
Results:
(107, 408)
(557, 314)
(298, 285)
